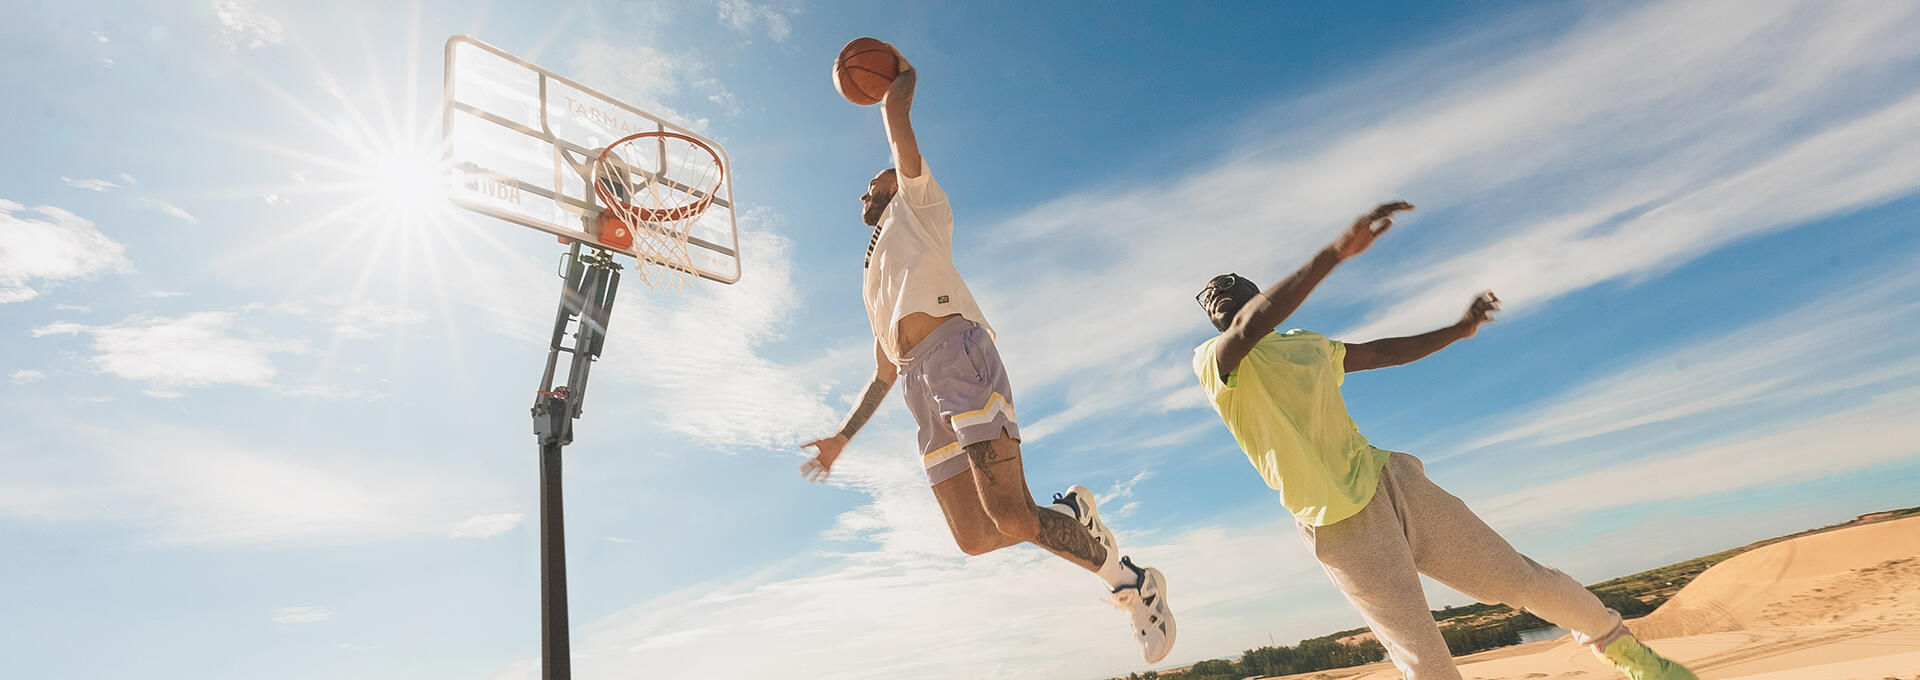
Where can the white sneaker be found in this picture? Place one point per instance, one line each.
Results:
(1080, 503)
(1153, 626)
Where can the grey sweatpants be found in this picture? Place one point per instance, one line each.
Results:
(1413, 527)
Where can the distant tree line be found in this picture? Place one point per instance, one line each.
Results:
(1316, 654)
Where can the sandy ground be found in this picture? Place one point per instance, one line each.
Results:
(1841, 605)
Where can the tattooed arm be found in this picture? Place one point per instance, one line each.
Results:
(826, 451)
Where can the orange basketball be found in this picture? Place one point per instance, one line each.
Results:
(864, 69)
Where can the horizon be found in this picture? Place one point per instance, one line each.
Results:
(271, 390)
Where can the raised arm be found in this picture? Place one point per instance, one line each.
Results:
(1265, 311)
(826, 451)
(895, 106)
(1396, 351)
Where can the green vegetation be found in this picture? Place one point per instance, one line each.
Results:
(1315, 654)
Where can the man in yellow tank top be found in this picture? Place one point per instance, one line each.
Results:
(1371, 517)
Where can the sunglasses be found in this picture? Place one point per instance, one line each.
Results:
(1215, 285)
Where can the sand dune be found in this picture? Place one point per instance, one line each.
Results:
(1851, 575)
(1839, 605)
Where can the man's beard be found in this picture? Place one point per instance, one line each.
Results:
(874, 211)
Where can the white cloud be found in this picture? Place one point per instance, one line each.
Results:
(51, 244)
(743, 16)
(244, 25)
(176, 212)
(651, 79)
(485, 526)
(1882, 431)
(24, 376)
(301, 614)
(199, 349)
(127, 179)
(273, 199)
(90, 184)
(185, 486)
(72, 308)
(163, 294)
(1764, 363)
(355, 319)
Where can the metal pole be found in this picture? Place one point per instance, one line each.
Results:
(585, 299)
(555, 653)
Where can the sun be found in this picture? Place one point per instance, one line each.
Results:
(407, 186)
(369, 200)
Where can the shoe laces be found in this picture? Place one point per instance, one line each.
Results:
(1127, 598)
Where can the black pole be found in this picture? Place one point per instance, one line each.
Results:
(586, 301)
(555, 662)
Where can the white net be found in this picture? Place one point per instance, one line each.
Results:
(655, 186)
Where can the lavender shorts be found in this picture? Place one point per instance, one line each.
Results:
(958, 393)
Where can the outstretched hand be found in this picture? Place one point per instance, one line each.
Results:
(1480, 312)
(900, 91)
(817, 468)
(1370, 226)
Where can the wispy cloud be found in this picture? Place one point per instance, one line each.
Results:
(1766, 362)
(353, 318)
(26, 375)
(1882, 431)
(485, 526)
(90, 184)
(187, 486)
(656, 81)
(744, 17)
(51, 244)
(199, 349)
(176, 212)
(242, 24)
(163, 294)
(301, 614)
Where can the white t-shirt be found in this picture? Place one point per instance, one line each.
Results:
(911, 267)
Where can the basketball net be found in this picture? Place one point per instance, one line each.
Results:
(655, 186)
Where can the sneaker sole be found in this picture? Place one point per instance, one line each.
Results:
(1158, 584)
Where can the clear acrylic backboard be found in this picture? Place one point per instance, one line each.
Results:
(521, 141)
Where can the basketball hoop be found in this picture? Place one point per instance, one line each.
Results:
(655, 186)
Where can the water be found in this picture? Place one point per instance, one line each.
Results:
(1527, 636)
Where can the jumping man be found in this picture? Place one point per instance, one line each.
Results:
(1371, 517)
(929, 334)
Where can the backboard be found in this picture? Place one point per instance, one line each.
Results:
(521, 141)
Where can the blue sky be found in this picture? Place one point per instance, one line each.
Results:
(269, 399)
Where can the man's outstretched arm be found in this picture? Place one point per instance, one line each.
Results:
(826, 451)
(895, 107)
(1396, 351)
(1265, 311)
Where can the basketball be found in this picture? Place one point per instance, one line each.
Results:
(864, 69)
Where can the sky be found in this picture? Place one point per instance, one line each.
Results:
(268, 391)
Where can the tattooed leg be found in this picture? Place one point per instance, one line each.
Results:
(1003, 492)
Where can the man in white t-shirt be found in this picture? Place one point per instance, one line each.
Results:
(930, 335)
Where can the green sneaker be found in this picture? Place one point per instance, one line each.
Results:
(1639, 663)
